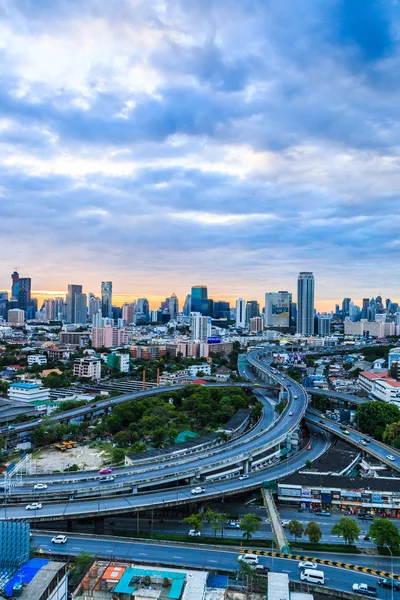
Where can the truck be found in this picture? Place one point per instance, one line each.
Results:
(365, 590)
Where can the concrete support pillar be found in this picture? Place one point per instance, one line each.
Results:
(246, 466)
(69, 525)
(135, 489)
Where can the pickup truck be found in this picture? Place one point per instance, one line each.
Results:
(365, 590)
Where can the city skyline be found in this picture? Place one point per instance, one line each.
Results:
(147, 141)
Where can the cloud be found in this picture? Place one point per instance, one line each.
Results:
(160, 144)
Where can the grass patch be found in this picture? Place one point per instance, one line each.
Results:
(105, 447)
(343, 548)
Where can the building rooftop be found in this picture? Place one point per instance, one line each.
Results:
(339, 482)
(372, 376)
(42, 580)
(25, 386)
(336, 460)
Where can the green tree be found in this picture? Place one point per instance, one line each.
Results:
(308, 463)
(385, 533)
(3, 388)
(249, 525)
(347, 529)
(373, 417)
(295, 528)
(313, 532)
(195, 521)
(117, 455)
(82, 563)
(122, 438)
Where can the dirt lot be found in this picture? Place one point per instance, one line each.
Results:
(50, 460)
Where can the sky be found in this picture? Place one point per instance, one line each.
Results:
(167, 143)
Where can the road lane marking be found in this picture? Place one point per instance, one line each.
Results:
(142, 554)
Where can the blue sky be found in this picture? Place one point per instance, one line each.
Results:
(162, 144)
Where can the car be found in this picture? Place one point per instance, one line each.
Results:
(40, 420)
(93, 405)
(290, 414)
(59, 539)
(33, 506)
(365, 590)
(249, 559)
(197, 490)
(194, 533)
(366, 440)
(232, 525)
(365, 517)
(307, 564)
(285, 522)
(390, 457)
(364, 443)
(106, 479)
(322, 513)
(40, 486)
(389, 583)
(322, 422)
(309, 447)
(105, 471)
(243, 477)
(346, 432)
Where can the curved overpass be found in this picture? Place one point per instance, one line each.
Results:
(252, 447)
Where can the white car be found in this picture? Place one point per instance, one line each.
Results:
(306, 564)
(249, 559)
(59, 539)
(40, 486)
(290, 414)
(285, 522)
(198, 490)
(243, 477)
(390, 457)
(194, 533)
(33, 506)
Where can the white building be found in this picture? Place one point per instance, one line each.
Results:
(16, 315)
(394, 356)
(37, 359)
(256, 325)
(28, 392)
(241, 313)
(88, 367)
(174, 378)
(204, 368)
(200, 326)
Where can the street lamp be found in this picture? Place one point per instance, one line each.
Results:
(391, 567)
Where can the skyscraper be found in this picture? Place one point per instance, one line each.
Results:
(128, 312)
(80, 309)
(24, 293)
(14, 285)
(222, 310)
(346, 307)
(278, 308)
(200, 326)
(187, 307)
(200, 301)
(241, 313)
(73, 291)
(142, 309)
(305, 303)
(252, 310)
(50, 309)
(106, 299)
(173, 306)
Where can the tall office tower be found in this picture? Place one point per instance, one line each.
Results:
(3, 305)
(24, 293)
(324, 324)
(81, 309)
(187, 307)
(222, 310)
(364, 310)
(94, 305)
(173, 306)
(346, 307)
(106, 299)
(50, 309)
(14, 285)
(388, 304)
(278, 309)
(305, 304)
(241, 313)
(200, 326)
(252, 310)
(97, 319)
(73, 291)
(293, 315)
(200, 300)
(142, 306)
(128, 312)
(371, 312)
(379, 304)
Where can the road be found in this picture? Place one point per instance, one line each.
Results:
(204, 558)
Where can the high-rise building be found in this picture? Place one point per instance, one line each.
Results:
(171, 306)
(142, 307)
(16, 315)
(199, 300)
(252, 310)
(128, 312)
(24, 293)
(305, 303)
(324, 324)
(278, 308)
(73, 291)
(50, 309)
(106, 299)
(94, 305)
(222, 310)
(364, 310)
(256, 325)
(14, 285)
(3, 305)
(80, 309)
(200, 326)
(241, 313)
(346, 307)
(187, 307)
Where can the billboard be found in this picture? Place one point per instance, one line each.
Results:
(213, 340)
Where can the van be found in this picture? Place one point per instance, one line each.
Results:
(249, 559)
(313, 576)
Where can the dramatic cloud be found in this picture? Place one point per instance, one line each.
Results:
(164, 143)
